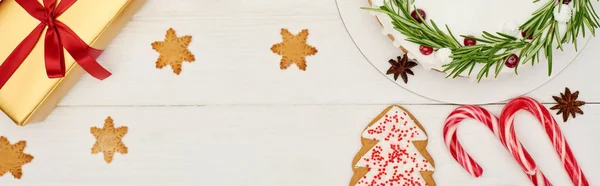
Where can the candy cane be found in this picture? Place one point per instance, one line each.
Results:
(491, 121)
(545, 118)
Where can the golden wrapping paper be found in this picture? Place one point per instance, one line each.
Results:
(29, 95)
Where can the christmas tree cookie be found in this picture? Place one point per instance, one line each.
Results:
(393, 152)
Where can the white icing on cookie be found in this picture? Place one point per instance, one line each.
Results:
(394, 160)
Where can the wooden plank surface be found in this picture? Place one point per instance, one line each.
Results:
(271, 145)
(235, 66)
(234, 118)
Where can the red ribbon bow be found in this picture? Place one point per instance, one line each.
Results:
(58, 36)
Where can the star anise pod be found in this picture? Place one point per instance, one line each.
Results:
(567, 104)
(401, 67)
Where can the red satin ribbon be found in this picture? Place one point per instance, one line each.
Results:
(58, 36)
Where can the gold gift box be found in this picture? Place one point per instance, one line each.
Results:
(29, 95)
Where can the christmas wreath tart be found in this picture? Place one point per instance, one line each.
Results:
(462, 40)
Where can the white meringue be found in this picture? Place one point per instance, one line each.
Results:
(443, 56)
(564, 15)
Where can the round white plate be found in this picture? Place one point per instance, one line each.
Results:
(377, 48)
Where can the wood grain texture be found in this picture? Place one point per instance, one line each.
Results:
(234, 118)
(271, 145)
(234, 65)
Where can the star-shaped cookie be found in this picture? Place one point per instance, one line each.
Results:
(12, 157)
(293, 49)
(108, 140)
(173, 51)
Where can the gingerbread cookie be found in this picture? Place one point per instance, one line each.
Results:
(12, 157)
(173, 51)
(393, 152)
(109, 140)
(293, 49)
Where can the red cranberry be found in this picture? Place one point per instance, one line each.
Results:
(524, 33)
(425, 50)
(469, 42)
(415, 16)
(512, 61)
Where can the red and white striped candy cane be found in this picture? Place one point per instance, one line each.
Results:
(554, 133)
(491, 121)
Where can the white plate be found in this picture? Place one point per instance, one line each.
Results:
(377, 48)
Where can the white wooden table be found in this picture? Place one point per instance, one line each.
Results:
(233, 118)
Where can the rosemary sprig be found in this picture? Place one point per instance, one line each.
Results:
(494, 49)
